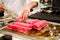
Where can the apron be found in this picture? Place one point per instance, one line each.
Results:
(14, 5)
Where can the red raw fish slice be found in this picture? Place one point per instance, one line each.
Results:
(9, 26)
(23, 24)
(12, 26)
(39, 25)
(24, 29)
(19, 28)
(33, 21)
(19, 19)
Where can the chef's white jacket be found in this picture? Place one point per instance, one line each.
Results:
(16, 5)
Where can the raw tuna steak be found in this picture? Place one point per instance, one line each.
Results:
(33, 21)
(19, 28)
(23, 24)
(40, 24)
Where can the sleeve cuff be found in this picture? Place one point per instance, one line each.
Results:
(38, 7)
(35, 0)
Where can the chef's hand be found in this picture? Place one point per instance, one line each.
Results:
(26, 12)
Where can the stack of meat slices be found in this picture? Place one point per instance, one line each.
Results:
(20, 26)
